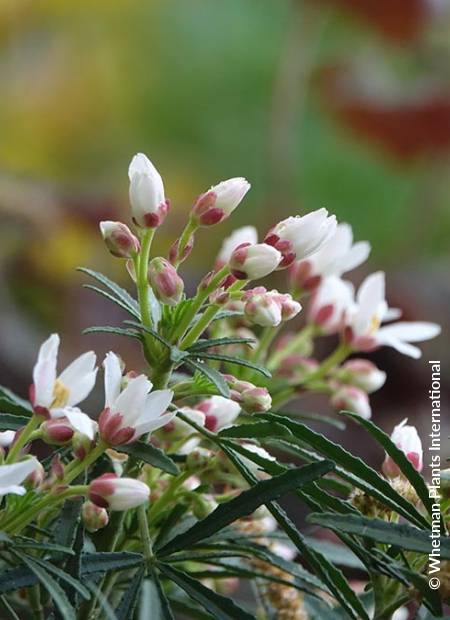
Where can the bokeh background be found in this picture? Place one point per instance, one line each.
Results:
(336, 103)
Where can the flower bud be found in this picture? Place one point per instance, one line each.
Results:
(220, 201)
(250, 262)
(407, 439)
(94, 518)
(81, 445)
(361, 373)
(256, 399)
(219, 412)
(299, 237)
(165, 281)
(36, 478)
(7, 438)
(119, 239)
(109, 491)
(57, 431)
(203, 505)
(330, 304)
(174, 249)
(263, 309)
(246, 234)
(148, 203)
(353, 399)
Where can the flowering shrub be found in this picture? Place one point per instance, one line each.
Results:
(166, 499)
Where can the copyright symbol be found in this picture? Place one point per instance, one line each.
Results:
(434, 583)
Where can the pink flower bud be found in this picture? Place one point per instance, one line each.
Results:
(256, 400)
(165, 281)
(36, 478)
(362, 373)
(352, 399)
(407, 439)
(174, 249)
(220, 201)
(246, 234)
(264, 310)
(57, 468)
(219, 412)
(251, 262)
(94, 518)
(302, 277)
(289, 307)
(119, 239)
(330, 304)
(109, 491)
(57, 431)
(148, 203)
(82, 445)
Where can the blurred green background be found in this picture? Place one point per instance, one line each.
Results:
(332, 103)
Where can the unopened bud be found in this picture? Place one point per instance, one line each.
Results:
(353, 399)
(256, 400)
(148, 203)
(57, 431)
(81, 445)
(94, 518)
(251, 262)
(220, 201)
(361, 373)
(330, 304)
(165, 281)
(407, 439)
(203, 505)
(36, 478)
(119, 239)
(57, 468)
(175, 248)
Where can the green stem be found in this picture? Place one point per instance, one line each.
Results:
(187, 233)
(145, 533)
(141, 276)
(339, 355)
(23, 438)
(198, 329)
(34, 597)
(159, 506)
(261, 351)
(291, 347)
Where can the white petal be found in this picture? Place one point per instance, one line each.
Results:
(13, 489)
(398, 345)
(113, 378)
(79, 377)
(412, 331)
(6, 438)
(80, 421)
(17, 472)
(150, 425)
(131, 401)
(392, 314)
(355, 256)
(158, 401)
(44, 372)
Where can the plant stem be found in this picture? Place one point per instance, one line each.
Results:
(339, 355)
(199, 327)
(292, 346)
(261, 351)
(141, 276)
(188, 231)
(145, 533)
(23, 439)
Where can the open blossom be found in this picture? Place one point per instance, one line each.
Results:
(337, 256)
(12, 476)
(246, 234)
(109, 491)
(300, 236)
(362, 373)
(330, 304)
(165, 281)
(407, 439)
(119, 239)
(148, 202)
(352, 399)
(251, 262)
(131, 412)
(55, 396)
(219, 412)
(364, 332)
(220, 201)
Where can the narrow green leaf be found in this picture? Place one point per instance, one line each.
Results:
(108, 329)
(320, 418)
(116, 300)
(398, 457)
(239, 361)
(16, 578)
(154, 601)
(8, 609)
(104, 561)
(130, 597)
(62, 575)
(246, 503)
(51, 585)
(149, 330)
(353, 469)
(12, 422)
(117, 290)
(258, 430)
(218, 606)
(150, 454)
(202, 345)
(336, 553)
(102, 601)
(227, 314)
(11, 403)
(212, 375)
(401, 535)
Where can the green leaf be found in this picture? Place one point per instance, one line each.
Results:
(130, 597)
(50, 584)
(398, 457)
(201, 345)
(320, 418)
(104, 561)
(328, 573)
(13, 404)
(336, 553)
(117, 290)
(149, 330)
(154, 603)
(246, 503)
(108, 329)
(12, 422)
(213, 376)
(239, 361)
(352, 469)
(113, 298)
(60, 574)
(7, 608)
(401, 535)
(227, 314)
(16, 578)
(258, 430)
(218, 606)
(150, 454)
(102, 601)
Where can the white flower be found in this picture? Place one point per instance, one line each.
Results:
(337, 256)
(251, 262)
(6, 438)
(55, 396)
(220, 201)
(353, 399)
(331, 303)
(131, 412)
(12, 476)
(246, 234)
(300, 236)
(363, 330)
(147, 199)
(109, 491)
(219, 412)
(407, 439)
